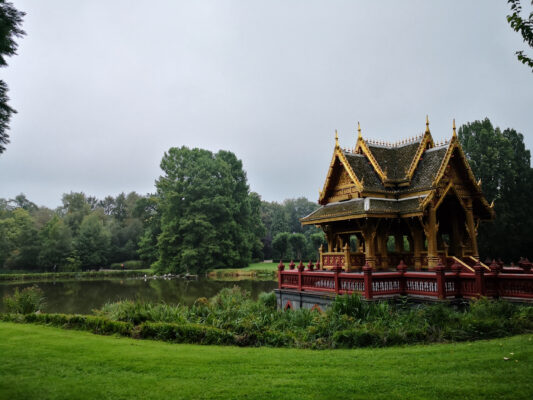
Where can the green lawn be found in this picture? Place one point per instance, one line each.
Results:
(252, 270)
(38, 362)
(262, 267)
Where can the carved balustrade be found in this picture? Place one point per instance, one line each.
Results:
(438, 284)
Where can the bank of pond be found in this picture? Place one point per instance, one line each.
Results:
(234, 317)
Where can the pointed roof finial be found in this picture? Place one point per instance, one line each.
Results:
(427, 123)
(359, 135)
(454, 132)
(336, 138)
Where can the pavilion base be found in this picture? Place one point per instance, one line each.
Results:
(293, 299)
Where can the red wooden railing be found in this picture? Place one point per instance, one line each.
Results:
(436, 284)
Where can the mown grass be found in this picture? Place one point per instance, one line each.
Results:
(268, 270)
(48, 363)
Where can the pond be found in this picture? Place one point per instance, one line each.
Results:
(83, 296)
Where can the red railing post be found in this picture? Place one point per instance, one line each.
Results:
(480, 279)
(525, 264)
(310, 266)
(336, 270)
(281, 267)
(441, 280)
(495, 269)
(367, 271)
(300, 271)
(401, 268)
(291, 265)
(457, 268)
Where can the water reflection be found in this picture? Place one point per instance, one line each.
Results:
(82, 296)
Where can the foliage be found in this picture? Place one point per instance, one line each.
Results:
(206, 215)
(93, 241)
(10, 28)
(285, 217)
(19, 240)
(298, 243)
(349, 322)
(500, 159)
(524, 27)
(26, 301)
(281, 244)
(56, 243)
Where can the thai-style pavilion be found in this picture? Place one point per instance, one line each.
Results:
(415, 201)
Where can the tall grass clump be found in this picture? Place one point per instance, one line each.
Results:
(26, 301)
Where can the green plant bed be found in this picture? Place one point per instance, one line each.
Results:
(48, 363)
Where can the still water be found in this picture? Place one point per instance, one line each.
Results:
(83, 296)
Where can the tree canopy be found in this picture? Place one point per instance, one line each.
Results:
(206, 212)
(502, 162)
(10, 29)
(524, 26)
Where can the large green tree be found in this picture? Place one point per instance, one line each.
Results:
(206, 215)
(10, 29)
(502, 162)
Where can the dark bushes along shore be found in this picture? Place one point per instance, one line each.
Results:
(232, 318)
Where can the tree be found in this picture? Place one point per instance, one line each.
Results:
(92, 243)
(524, 27)
(257, 226)
(317, 239)
(56, 243)
(147, 210)
(21, 201)
(10, 28)
(280, 244)
(501, 161)
(19, 241)
(206, 218)
(75, 208)
(298, 242)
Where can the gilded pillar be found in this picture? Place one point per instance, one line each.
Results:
(431, 235)
(382, 249)
(471, 228)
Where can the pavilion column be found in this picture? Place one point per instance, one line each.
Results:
(381, 242)
(431, 236)
(418, 244)
(369, 235)
(471, 228)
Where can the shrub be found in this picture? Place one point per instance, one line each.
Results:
(90, 323)
(268, 300)
(28, 300)
(186, 333)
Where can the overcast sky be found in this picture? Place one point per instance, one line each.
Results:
(104, 88)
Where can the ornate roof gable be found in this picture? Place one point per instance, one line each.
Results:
(455, 150)
(340, 171)
(395, 163)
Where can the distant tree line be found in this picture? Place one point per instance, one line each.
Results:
(203, 215)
